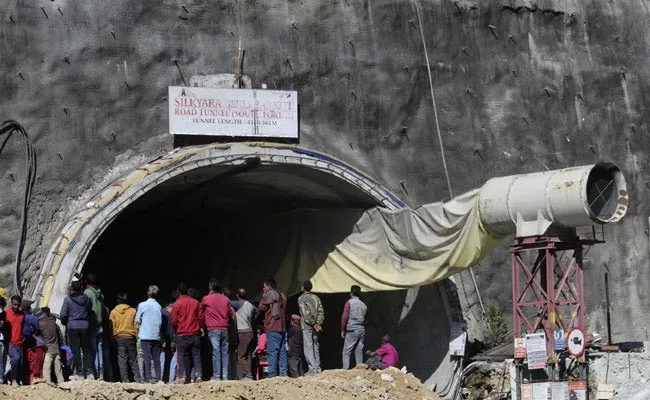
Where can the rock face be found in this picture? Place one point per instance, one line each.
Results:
(520, 86)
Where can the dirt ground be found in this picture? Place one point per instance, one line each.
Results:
(355, 384)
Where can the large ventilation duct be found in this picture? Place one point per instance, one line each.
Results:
(532, 204)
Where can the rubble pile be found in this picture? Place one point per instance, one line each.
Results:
(359, 384)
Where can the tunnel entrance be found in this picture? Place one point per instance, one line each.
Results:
(235, 223)
(235, 212)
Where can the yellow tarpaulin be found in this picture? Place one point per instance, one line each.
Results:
(376, 249)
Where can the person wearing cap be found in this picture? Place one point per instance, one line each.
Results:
(246, 315)
(218, 314)
(295, 352)
(14, 322)
(384, 357)
(149, 318)
(125, 332)
(52, 337)
(312, 317)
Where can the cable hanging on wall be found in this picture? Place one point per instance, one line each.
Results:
(10, 127)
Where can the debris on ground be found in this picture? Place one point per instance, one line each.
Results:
(628, 373)
(486, 381)
(358, 384)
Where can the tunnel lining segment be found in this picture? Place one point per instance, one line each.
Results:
(70, 249)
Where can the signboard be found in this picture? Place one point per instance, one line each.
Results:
(233, 112)
(536, 350)
(526, 391)
(578, 390)
(458, 339)
(575, 342)
(560, 340)
(520, 347)
(560, 391)
(540, 390)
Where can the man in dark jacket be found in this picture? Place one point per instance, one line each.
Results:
(95, 330)
(274, 305)
(30, 360)
(74, 315)
(52, 337)
(168, 357)
(295, 353)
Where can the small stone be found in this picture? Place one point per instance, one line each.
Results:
(387, 378)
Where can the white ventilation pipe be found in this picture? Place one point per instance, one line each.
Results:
(530, 204)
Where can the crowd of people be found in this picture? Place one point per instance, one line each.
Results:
(171, 343)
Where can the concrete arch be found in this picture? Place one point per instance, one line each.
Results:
(72, 246)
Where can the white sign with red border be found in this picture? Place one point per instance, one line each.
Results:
(233, 112)
(575, 342)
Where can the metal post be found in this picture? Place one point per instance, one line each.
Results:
(550, 302)
(580, 278)
(609, 324)
(516, 321)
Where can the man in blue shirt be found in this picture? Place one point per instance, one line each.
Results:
(149, 317)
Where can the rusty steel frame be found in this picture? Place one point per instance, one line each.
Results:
(555, 284)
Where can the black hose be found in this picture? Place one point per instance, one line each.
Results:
(9, 127)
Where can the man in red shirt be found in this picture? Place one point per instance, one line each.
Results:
(187, 319)
(384, 357)
(13, 331)
(218, 315)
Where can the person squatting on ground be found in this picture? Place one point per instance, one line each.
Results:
(246, 315)
(149, 319)
(384, 357)
(312, 317)
(124, 333)
(52, 337)
(218, 315)
(274, 305)
(295, 351)
(14, 322)
(75, 317)
(187, 319)
(353, 327)
(95, 329)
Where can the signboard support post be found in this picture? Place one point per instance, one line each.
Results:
(548, 293)
(548, 290)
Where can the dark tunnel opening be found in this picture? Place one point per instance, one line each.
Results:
(238, 223)
(235, 223)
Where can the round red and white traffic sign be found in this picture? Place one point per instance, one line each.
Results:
(575, 342)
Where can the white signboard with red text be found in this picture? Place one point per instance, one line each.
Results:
(233, 112)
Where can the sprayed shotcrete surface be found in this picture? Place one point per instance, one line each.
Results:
(520, 87)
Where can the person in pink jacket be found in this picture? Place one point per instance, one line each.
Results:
(384, 357)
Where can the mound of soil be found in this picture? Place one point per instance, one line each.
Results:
(358, 384)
